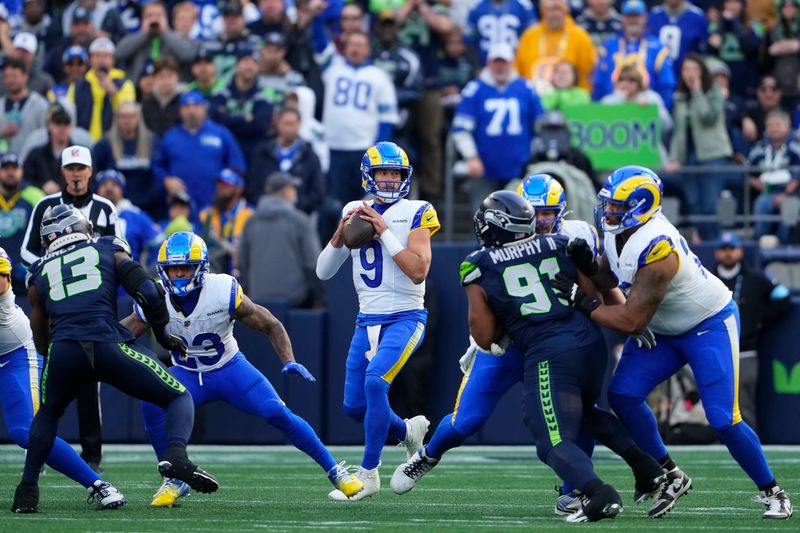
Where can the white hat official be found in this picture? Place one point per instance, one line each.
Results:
(76, 155)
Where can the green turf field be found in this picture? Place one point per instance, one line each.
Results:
(474, 489)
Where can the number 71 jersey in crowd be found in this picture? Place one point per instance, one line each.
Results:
(381, 286)
(208, 329)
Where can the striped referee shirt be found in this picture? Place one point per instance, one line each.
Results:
(100, 212)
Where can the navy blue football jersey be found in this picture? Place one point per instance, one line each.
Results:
(78, 286)
(516, 278)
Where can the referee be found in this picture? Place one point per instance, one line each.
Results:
(76, 167)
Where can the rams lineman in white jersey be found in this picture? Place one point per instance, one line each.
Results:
(202, 310)
(389, 275)
(488, 376)
(693, 317)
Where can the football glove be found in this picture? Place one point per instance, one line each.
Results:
(469, 356)
(170, 342)
(568, 290)
(583, 256)
(292, 367)
(645, 340)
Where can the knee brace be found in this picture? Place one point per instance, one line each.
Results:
(356, 413)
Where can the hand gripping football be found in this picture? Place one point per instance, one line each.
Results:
(357, 231)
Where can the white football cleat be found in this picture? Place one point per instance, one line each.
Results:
(569, 503)
(105, 496)
(777, 503)
(407, 475)
(371, 480)
(416, 428)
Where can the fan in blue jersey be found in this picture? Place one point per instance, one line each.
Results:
(20, 372)
(681, 27)
(389, 276)
(202, 310)
(695, 322)
(72, 290)
(600, 20)
(494, 123)
(497, 21)
(643, 52)
(488, 375)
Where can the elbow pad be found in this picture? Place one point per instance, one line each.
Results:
(147, 293)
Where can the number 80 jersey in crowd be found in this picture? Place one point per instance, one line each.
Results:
(208, 329)
(381, 286)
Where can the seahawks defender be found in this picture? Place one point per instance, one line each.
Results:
(202, 310)
(72, 290)
(694, 320)
(20, 372)
(389, 276)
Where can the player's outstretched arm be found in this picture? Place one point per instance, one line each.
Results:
(40, 322)
(260, 319)
(482, 322)
(135, 325)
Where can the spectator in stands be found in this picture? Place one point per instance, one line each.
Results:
(553, 143)
(37, 21)
(191, 155)
(142, 234)
(103, 15)
(97, 96)
(774, 182)
(492, 21)
(564, 92)
(736, 40)
(21, 111)
(154, 41)
(185, 20)
(144, 85)
(160, 108)
(236, 39)
(290, 154)
(75, 63)
(39, 136)
(277, 75)
(16, 206)
(242, 107)
(223, 221)
(360, 109)
(130, 11)
(42, 163)
(24, 48)
(699, 138)
(280, 237)
(304, 100)
(179, 215)
(681, 27)
(399, 62)
(734, 107)
(350, 20)
(128, 147)
(769, 97)
(81, 33)
(554, 39)
(456, 68)
(629, 88)
(204, 72)
(635, 48)
(495, 147)
(600, 20)
(761, 301)
(781, 50)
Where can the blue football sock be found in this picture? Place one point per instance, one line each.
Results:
(155, 425)
(640, 422)
(302, 436)
(571, 464)
(378, 420)
(64, 459)
(42, 436)
(745, 448)
(586, 443)
(397, 426)
(179, 420)
(446, 437)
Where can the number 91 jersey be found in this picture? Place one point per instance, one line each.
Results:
(381, 286)
(208, 329)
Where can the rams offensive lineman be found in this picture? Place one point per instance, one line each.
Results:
(389, 276)
(694, 320)
(202, 310)
(20, 370)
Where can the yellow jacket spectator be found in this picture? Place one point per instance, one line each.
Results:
(98, 94)
(223, 222)
(557, 37)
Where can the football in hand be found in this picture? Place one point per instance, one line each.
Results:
(357, 231)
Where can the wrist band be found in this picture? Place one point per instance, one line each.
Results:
(391, 243)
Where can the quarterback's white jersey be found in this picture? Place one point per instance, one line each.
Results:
(15, 329)
(693, 295)
(208, 330)
(381, 286)
(357, 100)
(578, 229)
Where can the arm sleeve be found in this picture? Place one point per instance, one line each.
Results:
(707, 106)
(330, 260)
(469, 272)
(426, 218)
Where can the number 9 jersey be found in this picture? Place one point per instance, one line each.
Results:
(381, 286)
(208, 329)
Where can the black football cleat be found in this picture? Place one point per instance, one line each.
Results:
(175, 466)
(26, 499)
